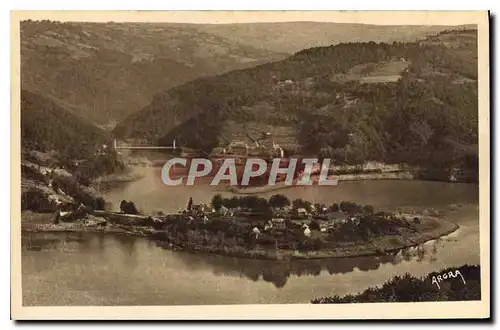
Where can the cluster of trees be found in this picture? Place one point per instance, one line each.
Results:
(369, 225)
(250, 202)
(36, 201)
(408, 288)
(431, 123)
(253, 203)
(257, 204)
(81, 194)
(97, 165)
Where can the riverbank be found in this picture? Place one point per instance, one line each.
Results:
(43, 222)
(430, 228)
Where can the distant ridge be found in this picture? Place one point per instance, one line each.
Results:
(107, 71)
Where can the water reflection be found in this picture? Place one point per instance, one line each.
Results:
(127, 243)
(275, 272)
(278, 272)
(50, 241)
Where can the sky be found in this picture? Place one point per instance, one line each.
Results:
(224, 17)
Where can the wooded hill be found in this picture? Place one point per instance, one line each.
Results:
(47, 126)
(401, 102)
(106, 71)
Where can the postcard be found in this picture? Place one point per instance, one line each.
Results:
(250, 165)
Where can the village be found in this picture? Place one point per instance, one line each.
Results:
(255, 227)
(242, 225)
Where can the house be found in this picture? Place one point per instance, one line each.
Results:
(238, 147)
(256, 232)
(223, 210)
(307, 231)
(269, 225)
(278, 223)
(301, 211)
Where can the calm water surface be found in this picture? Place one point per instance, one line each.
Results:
(91, 269)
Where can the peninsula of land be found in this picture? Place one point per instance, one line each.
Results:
(253, 227)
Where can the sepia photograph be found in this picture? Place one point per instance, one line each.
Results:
(250, 165)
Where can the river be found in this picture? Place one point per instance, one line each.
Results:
(100, 269)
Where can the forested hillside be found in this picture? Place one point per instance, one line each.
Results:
(106, 71)
(46, 126)
(414, 103)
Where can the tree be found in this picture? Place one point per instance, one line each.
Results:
(217, 202)
(99, 203)
(190, 204)
(334, 208)
(128, 207)
(279, 200)
(314, 225)
(268, 213)
(350, 207)
(369, 209)
(123, 205)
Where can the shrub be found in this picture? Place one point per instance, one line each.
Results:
(128, 207)
(279, 200)
(99, 203)
(217, 202)
(36, 201)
